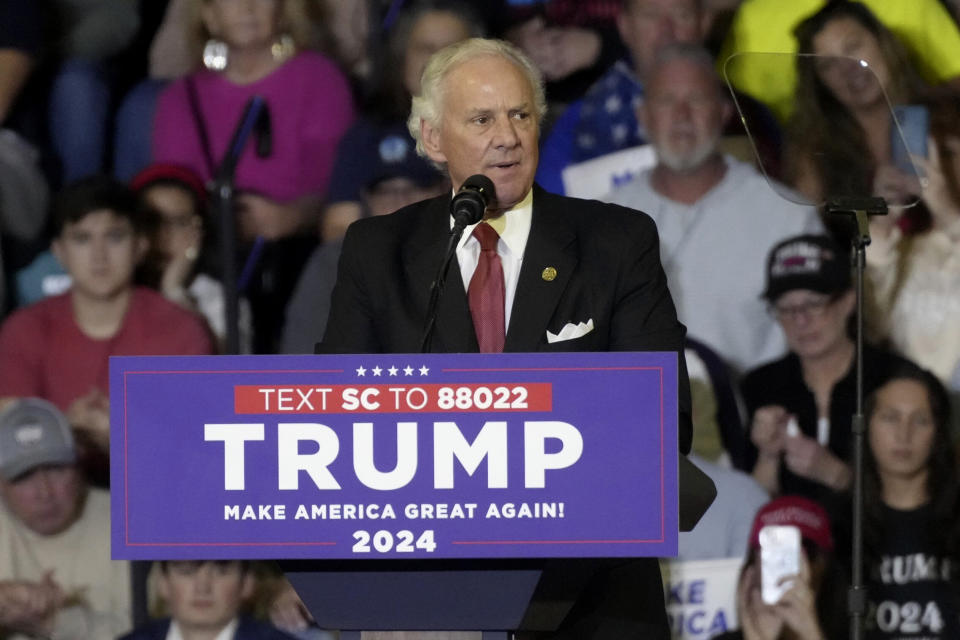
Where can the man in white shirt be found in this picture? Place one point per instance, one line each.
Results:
(204, 599)
(56, 577)
(717, 217)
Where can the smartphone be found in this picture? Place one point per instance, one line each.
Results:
(779, 558)
(914, 121)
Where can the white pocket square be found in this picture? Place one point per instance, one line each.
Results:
(571, 331)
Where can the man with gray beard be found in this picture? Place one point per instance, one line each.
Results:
(717, 217)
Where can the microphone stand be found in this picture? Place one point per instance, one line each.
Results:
(223, 196)
(860, 209)
(436, 287)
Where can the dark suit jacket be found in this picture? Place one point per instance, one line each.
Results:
(607, 261)
(248, 629)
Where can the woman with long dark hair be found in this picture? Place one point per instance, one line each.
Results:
(839, 135)
(912, 512)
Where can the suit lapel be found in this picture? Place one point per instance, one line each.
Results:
(422, 254)
(551, 244)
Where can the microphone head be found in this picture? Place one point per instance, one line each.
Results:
(473, 197)
(482, 185)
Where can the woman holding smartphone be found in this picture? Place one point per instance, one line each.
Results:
(803, 607)
(843, 142)
(916, 272)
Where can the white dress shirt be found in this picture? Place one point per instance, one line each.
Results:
(226, 633)
(514, 228)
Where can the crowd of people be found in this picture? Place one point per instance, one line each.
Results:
(737, 123)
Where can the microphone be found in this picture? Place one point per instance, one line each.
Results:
(467, 208)
(474, 196)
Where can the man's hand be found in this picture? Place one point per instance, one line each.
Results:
(808, 458)
(30, 607)
(287, 610)
(557, 51)
(90, 415)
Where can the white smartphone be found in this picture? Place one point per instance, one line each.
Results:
(779, 558)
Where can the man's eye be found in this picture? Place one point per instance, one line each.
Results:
(481, 120)
(521, 115)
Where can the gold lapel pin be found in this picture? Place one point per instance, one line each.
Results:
(549, 274)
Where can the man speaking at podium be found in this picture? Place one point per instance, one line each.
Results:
(540, 272)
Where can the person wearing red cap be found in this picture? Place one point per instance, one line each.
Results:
(801, 613)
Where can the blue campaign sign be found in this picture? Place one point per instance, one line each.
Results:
(394, 456)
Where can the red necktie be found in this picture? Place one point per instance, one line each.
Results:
(486, 292)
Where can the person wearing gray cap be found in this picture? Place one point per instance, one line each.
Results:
(56, 576)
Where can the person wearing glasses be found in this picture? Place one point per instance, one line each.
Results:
(800, 406)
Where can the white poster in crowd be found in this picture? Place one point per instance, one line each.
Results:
(596, 178)
(701, 596)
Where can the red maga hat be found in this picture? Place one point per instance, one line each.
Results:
(806, 515)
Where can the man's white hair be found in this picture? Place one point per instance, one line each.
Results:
(428, 106)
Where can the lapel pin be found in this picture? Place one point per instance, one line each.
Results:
(549, 274)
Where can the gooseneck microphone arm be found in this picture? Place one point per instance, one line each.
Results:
(467, 207)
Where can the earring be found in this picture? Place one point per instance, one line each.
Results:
(284, 48)
(215, 54)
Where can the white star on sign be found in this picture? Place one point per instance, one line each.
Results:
(393, 371)
(424, 371)
(361, 371)
(377, 371)
(408, 370)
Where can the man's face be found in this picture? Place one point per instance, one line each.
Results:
(432, 32)
(647, 26)
(100, 252)
(46, 499)
(684, 113)
(204, 596)
(488, 125)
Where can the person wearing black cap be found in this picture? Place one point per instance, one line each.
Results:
(800, 406)
(56, 576)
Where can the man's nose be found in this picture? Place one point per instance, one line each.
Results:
(505, 133)
(203, 580)
(42, 485)
(667, 30)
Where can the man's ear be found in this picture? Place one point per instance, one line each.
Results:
(56, 246)
(642, 116)
(143, 245)
(248, 586)
(727, 111)
(163, 583)
(430, 137)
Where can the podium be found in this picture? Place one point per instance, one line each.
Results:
(478, 492)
